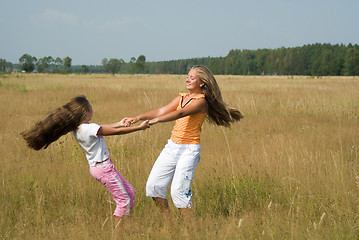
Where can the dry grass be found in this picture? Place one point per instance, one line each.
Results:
(289, 170)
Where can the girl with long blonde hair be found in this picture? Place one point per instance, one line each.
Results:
(179, 158)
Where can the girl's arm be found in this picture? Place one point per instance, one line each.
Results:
(156, 112)
(122, 123)
(107, 129)
(196, 106)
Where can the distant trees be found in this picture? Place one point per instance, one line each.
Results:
(140, 64)
(85, 69)
(137, 65)
(67, 64)
(27, 63)
(59, 62)
(351, 63)
(47, 64)
(312, 60)
(5, 66)
(113, 65)
(44, 63)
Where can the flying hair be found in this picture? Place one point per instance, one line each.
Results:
(58, 123)
(218, 111)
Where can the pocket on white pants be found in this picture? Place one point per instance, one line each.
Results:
(186, 184)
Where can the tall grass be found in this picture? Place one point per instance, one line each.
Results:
(288, 170)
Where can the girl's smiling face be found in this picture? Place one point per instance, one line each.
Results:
(193, 83)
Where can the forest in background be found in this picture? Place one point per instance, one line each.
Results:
(312, 60)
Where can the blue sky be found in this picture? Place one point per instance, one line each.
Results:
(88, 31)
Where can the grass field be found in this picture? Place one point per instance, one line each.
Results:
(288, 170)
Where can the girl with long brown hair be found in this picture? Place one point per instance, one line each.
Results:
(74, 117)
(179, 158)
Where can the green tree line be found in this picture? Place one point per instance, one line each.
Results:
(312, 59)
(28, 63)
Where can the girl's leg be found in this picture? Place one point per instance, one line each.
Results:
(162, 203)
(181, 184)
(161, 174)
(121, 190)
(160, 177)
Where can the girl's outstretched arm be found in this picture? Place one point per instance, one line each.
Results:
(156, 112)
(196, 106)
(107, 129)
(122, 123)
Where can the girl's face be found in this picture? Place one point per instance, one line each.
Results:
(193, 83)
(88, 115)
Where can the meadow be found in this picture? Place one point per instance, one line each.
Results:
(288, 170)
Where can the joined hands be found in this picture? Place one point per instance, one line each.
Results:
(129, 121)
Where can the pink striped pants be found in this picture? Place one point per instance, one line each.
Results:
(121, 190)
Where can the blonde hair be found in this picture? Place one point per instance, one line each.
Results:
(218, 111)
(63, 120)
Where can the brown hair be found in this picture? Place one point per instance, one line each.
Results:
(218, 111)
(63, 120)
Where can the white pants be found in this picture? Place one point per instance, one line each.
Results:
(176, 163)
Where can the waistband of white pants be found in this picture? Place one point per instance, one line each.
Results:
(184, 145)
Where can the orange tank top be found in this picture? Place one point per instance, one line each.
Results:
(187, 129)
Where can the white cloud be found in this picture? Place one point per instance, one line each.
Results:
(116, 25)
(131, 20)
(54, 16)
